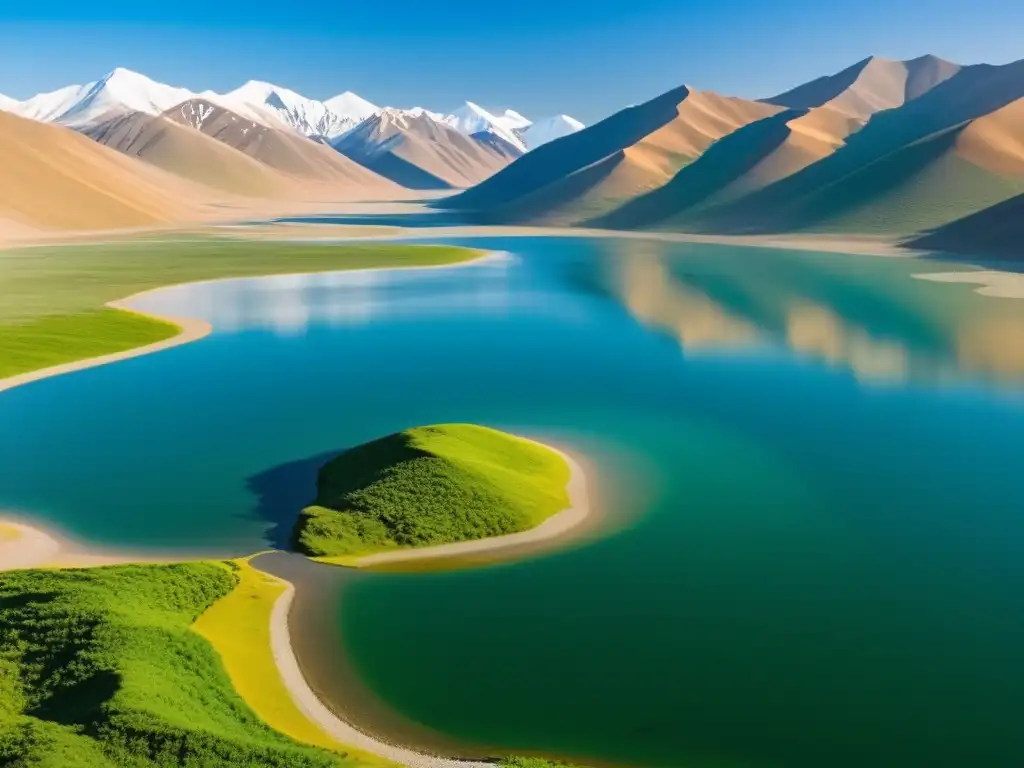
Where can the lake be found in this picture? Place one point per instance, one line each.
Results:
(809, 465)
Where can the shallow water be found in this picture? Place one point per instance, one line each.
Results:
(810, 463)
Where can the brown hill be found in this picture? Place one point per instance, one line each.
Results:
(869, 86)
(289, 153)
(906, 159)
(188, 153)
(630, 153)
(749, 159)
(54, 178)
(419, 152)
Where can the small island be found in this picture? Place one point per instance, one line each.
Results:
(432, 486)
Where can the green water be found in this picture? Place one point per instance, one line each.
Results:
(810, 467)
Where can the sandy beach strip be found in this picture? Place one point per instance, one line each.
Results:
(25, 546)
(556, 528)
(1003, 285)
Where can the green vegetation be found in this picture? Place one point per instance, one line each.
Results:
(53, 297)
(533, 762)
(100, 667)
(428, 486)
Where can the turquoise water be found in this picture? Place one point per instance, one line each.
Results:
(811, 463)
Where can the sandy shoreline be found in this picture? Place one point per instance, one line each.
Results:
(556, 527)
(192, 329)
(28, 546)
(313, 708)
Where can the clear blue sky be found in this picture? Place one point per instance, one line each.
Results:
(538, 56)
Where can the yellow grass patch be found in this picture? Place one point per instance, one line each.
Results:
(238, 626)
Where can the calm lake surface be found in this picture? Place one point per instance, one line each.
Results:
(812, 468)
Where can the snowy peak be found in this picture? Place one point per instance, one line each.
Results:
(351, 105)
(119, 92)
(7, 103)
(549, 129)
(265, 102)
(472, 119)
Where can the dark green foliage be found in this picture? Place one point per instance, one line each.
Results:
(99, 668)
(431, 485)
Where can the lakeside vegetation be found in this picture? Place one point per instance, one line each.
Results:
(101, 668)
(54, 311)
(428, 486)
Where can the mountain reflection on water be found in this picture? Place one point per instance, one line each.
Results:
(888, 329)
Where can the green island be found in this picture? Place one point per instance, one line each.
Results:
(428, 486)
(54, 309)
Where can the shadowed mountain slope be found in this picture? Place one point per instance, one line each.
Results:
(631, 152)
(993, 233)
(751, 158)
(927, 183)
(896, 147)
(869, 86)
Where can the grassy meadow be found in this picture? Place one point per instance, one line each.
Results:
(431, 485)
(101, 667)
(53, 311)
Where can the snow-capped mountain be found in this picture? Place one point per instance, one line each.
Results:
(120, 91)
(352, 106)
(517, 130)
(514, 121)
(549, 129)
(260, 101)
(471, 119)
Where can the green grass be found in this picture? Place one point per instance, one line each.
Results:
(533, 762)
(428, 486)
(100, 667)
(53, 311)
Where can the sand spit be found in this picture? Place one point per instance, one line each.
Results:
(316, 711)
(555, 528)
(1003, 285)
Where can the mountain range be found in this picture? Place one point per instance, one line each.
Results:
(925, 151)
(884, 147)
(124, 91)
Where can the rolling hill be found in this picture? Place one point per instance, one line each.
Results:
(189, 153)
(596, 169)
(54, 178)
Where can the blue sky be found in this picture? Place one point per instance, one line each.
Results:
(538, 56)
